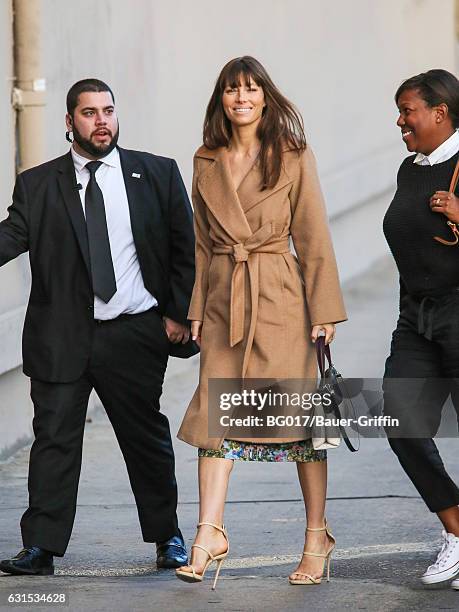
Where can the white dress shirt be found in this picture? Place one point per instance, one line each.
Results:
(131, 297)
(442, 153)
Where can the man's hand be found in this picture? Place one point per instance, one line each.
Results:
(176, 332)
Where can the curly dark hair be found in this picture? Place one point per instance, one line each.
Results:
(85, 85)
(435, 87)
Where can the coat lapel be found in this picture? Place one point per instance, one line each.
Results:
(228, 206)
(72, 200)
(134, 181)
(216, 186)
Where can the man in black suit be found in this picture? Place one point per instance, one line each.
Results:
(111, 246)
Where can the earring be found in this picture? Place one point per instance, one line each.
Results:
(69, 136)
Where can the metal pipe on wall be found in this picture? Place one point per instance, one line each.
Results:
(30, 87)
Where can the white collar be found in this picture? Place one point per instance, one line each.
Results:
(112, 159)
(445, 151)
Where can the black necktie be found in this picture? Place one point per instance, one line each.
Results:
(103, 274)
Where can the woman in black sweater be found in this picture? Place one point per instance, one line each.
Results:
(425, 344)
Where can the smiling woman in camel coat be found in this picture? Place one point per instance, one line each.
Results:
(257, 300)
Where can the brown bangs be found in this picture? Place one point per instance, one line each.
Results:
(281, 124)
(236, 72)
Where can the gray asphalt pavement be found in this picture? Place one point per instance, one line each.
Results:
(385, 535)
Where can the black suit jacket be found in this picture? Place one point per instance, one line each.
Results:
(46, 218)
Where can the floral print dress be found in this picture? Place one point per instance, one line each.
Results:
(301, 451)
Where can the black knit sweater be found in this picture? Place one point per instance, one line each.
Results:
(426, 266)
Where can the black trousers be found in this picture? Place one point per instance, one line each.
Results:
(126, 368)
(424, 352)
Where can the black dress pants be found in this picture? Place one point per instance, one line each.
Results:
(425, 353)
(126, 368)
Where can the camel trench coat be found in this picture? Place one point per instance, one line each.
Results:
(257, 300)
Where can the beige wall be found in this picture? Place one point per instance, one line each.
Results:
(339, 61)
(15, 408)
(12, 294)
(6, 113)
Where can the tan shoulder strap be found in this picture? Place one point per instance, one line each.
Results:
(453, 226)
(455, 177)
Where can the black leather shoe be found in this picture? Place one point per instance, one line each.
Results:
(171, 553)
(33, 561)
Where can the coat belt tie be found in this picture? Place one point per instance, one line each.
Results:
(245, 255)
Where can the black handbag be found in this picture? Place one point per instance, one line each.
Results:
(332, 383)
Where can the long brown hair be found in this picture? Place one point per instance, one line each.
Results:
(281, 124)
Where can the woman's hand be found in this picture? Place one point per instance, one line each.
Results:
(329, 330)
(196, 331)
(446, 203)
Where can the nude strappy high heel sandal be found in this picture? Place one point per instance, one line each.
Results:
(194, 576)
(308, 579)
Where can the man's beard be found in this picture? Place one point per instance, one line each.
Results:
(92, 149)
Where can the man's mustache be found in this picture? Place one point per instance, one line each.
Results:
(102, 130)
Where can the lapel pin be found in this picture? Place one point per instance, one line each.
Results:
(136, 175)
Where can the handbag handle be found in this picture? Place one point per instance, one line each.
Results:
(454, 178)
(322, 351)
(453, 226)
